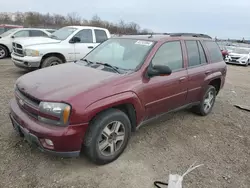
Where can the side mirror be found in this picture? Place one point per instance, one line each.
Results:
(13, 36)
(158, 70)
(75, 40)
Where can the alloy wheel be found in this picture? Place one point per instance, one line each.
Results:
(209, 100)
(112, 138)
(2, 53)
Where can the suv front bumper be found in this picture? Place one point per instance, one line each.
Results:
(67, 141)
(26, 61)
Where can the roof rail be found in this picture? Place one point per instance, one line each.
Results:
(198, 35)
(190, 35)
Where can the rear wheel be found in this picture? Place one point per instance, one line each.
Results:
(107, 136)
(51, 61)
(207, 103)
(3, 52)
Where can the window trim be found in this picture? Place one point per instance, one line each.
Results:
(201, 64)
(208, 51)
(183, 65)
(21, 31)
(44, 34)
(96, 35)
(84, 42)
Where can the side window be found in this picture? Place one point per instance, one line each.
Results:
(23, 33)
(37, 33)
(85, 35)
(193, 53)
(203, 57)
(214, 50)
(100, 35)
(169, 54)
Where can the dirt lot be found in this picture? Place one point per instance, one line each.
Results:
(220, 141)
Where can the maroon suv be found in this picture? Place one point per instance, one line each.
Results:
(94, 104)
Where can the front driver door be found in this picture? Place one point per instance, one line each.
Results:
(165, 93)
(85, 45)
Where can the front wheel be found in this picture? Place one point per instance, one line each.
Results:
(51, 61)
(3, 52)
(107, 136)
(247, 63)
(207, 103)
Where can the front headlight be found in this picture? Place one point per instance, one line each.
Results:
(32, 53)
(244, 58)
(54, 113)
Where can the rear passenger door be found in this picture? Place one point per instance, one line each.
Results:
(198, 68)
(165, 93)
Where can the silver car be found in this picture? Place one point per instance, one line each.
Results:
(239, 56)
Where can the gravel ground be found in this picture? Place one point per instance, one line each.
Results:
(220, 141)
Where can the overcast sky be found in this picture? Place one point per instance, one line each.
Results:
(221, 18)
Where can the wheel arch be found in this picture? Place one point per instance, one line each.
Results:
(127, 102)
(55, 54)
(216, 83)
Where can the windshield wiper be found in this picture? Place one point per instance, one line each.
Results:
(89, 62)
(104, 64)
(110, 66)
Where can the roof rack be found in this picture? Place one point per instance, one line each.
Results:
(190, 35)
(199, 35)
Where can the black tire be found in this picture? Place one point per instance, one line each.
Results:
(51, 61)
(247, 63)
(200, 109)
(5, 52)
(94, 133)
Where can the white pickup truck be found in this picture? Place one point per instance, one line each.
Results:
(67, 44)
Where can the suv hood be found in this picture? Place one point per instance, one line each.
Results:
(61, 82)
(36, 41)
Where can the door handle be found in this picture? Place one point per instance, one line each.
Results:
(182, 78)
(90, 46)
(208, 72)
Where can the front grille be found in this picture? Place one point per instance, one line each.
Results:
(234, 59)
(27, 103)
(17, 49)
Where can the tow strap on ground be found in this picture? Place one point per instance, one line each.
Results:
(175, 180)
(243, 107)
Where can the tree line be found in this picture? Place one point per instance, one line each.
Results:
(56, 21)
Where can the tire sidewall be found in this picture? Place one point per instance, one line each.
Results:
(209, 88)
(96, 131)
(5, 50)
(47, 62)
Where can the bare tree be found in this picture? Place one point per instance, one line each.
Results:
(35, 19)
(73, 18)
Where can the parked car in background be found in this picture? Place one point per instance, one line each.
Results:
(65, 45)
(7, 38)
(51, 30)
(223, 51)
(240, 56)
(6, 27)
(95, 103)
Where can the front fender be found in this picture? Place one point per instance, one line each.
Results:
(118, 99)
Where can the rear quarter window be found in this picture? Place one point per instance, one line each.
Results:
(214, 51)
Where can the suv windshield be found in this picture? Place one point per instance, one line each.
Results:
(127, 54)
(63, 33)
(8, 32)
